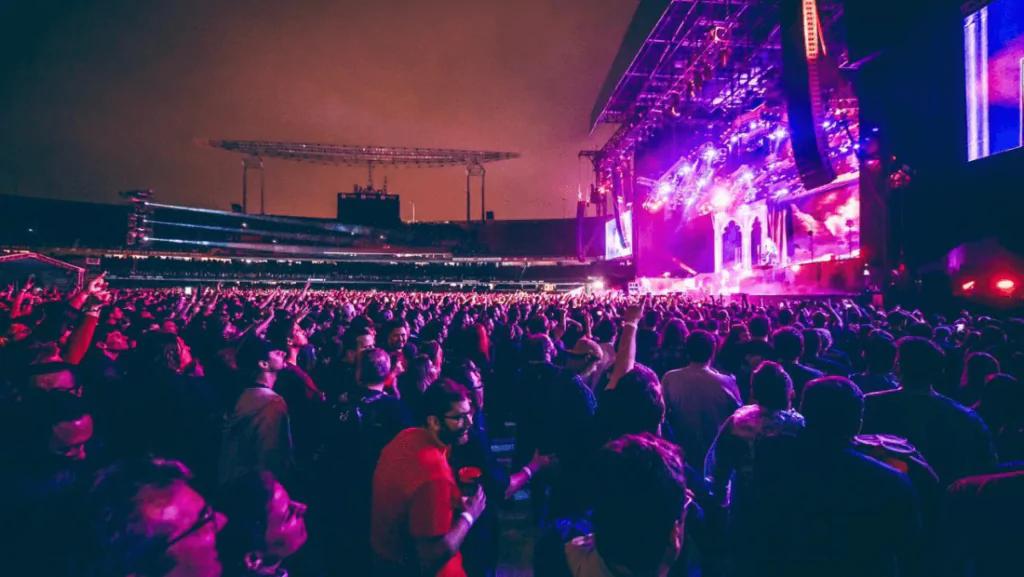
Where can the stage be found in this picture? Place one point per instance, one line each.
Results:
(825, 279)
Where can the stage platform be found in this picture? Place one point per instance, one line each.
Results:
(831, 279)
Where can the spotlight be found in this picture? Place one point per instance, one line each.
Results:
(664, 189)
(780, 133)
(710, 154)
(967, 285)
(1006, 285)
(721, 198)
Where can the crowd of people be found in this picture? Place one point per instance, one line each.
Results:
(306, 432)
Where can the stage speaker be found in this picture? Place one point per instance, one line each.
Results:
(801, 82)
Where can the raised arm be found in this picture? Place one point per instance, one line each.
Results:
(625, 354)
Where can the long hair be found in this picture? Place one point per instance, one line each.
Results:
(245, 502)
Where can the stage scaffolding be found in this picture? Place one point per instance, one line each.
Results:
(366, 156)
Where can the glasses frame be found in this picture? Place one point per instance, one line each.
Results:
(206, 516)
(459, 418)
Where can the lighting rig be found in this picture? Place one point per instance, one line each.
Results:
(705, 64)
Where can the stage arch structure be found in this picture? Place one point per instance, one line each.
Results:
(748, 218)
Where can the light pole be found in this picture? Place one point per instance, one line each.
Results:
(413, 210)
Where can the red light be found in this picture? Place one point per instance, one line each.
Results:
(967, 285)
(1005, 285)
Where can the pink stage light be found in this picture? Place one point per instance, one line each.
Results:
(967, 285)
(1006, 285)
(721, 198)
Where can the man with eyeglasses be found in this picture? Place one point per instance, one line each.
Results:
(145, 520)
(419, 516)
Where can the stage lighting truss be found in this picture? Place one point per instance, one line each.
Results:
(705, 62)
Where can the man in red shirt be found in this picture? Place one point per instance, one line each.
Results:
(419, 517)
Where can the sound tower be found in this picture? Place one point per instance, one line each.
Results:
(806, 106)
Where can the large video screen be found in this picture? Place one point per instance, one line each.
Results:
(614, 245)
(826, 225)
(994, 57)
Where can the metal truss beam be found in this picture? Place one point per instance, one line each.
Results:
(368, 156)
(349, 155)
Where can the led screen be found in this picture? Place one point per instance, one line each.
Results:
(826, 225)
(994, 58)
(616, 246)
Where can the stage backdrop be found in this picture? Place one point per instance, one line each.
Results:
(826, 224)
(667, 244)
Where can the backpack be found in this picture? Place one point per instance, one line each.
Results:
(347, 449)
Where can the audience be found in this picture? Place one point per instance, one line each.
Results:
(271, 397)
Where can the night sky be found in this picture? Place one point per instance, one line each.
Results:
(102, 96)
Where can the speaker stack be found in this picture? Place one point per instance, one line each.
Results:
(802, 59)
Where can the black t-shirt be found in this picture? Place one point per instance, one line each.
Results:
(357, 429)
(830, 511)
(362, 423)
(953, 439)
(983, 523)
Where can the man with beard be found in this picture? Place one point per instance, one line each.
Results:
(419, 518)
